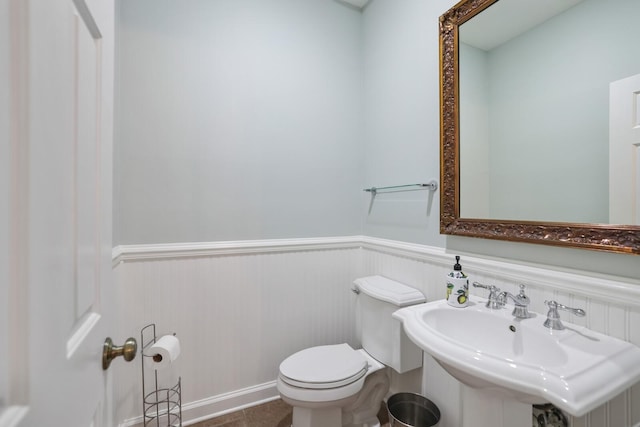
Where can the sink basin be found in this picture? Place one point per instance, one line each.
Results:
(576, 369)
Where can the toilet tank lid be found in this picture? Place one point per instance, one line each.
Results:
(389, 291)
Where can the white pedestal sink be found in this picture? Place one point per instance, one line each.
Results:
(576, 369)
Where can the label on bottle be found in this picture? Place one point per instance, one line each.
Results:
(457, 289)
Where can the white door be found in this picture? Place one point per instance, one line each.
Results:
(624, 151)
(56, 72)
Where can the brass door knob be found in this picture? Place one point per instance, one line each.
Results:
(110, 351)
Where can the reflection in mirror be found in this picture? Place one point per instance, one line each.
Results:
(540, 122)
(535, 79)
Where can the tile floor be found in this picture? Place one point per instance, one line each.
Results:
(271, 414)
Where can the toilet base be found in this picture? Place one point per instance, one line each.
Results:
(359, 410)
(317, 417)
(371, 423)
(324, 417)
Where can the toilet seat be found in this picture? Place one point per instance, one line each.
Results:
(324, 367)
(335, 386)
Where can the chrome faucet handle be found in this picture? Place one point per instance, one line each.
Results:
(522, 297)
(493, 301)
(490, 287)
(521, 302)
(553, 317)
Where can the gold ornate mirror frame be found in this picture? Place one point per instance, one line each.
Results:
(605, 237)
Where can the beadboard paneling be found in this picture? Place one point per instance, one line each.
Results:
(613, 308)
(240, 308)
(237, 315)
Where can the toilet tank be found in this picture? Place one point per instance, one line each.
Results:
(381, 335)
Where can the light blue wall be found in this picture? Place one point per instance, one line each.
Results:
(550, 112)
(475, 166)
(401, 117)
(417, 60)
(237, 120)
(288, 148)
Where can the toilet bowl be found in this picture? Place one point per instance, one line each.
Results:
(336, 385)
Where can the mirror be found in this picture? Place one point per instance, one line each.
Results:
(525, 122)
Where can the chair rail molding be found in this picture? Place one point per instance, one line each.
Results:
(617, 290)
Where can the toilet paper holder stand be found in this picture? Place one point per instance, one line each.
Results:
(161, 406)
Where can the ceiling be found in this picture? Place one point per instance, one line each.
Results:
(506, 19)
(357, 3)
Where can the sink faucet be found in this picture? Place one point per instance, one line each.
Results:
(553, 317)
(493, 301)
(521, 303)
(498, 299)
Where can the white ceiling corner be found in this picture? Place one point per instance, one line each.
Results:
(357, 3)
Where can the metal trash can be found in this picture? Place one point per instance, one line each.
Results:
(412, 410)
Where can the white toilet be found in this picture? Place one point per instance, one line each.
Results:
(335, 385)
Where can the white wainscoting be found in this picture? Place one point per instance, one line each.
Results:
(612, 305)
(239, 308)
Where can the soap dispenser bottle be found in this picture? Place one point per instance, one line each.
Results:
(457, 286)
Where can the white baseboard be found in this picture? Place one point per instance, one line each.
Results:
(215, 406)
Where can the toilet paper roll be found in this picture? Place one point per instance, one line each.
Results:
(163, 353)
